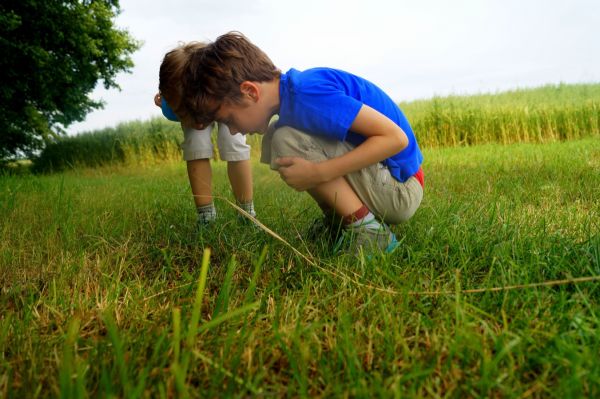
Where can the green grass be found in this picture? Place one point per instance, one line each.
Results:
(105, 291)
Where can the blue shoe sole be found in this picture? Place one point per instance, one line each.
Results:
(392, 245)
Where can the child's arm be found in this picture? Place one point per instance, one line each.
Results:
(384, 139)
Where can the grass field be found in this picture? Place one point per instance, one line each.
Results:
(104, 292)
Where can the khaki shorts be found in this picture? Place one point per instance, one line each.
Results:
(390, 200)
(197, 144)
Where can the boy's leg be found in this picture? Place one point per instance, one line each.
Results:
(197, 151)
(337, 194)
(200, 176)
(330, 226)
(234, 150)
(390, 200)
(240, 177)
(362, 229)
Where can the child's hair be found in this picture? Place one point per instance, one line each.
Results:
(171, 73)
(212, 75)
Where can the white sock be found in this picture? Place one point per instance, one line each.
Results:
(248, 207)
(368, 222)
(207, 213)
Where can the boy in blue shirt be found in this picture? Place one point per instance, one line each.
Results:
(338, 137)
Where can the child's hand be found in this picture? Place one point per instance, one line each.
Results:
(299, 173)
(157, 100)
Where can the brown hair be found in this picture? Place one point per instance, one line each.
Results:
(212, 75)
(171, 72)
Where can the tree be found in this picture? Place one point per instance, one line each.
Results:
(52, 54)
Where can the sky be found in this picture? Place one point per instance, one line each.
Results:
(411, 49)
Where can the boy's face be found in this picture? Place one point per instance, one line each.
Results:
(245, 117)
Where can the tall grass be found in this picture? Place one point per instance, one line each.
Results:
(548, 113)
(131, 143)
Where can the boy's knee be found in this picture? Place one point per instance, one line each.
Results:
(287, 141)
(290, 142)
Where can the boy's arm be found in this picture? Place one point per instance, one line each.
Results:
(384, 139)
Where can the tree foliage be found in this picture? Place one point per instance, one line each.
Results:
(53, 53)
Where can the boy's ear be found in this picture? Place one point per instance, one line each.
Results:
(250, 89)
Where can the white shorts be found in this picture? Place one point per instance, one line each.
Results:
(197, 144)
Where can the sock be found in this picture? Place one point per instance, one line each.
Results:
(362, 218)
(355, 216)
(207, 213)
(248, 207)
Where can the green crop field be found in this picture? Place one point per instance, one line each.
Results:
(108, 290)
(543, 114)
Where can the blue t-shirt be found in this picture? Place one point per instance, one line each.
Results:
(325, 102)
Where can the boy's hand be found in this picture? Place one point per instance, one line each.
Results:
(157, 100)
(299, 173)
